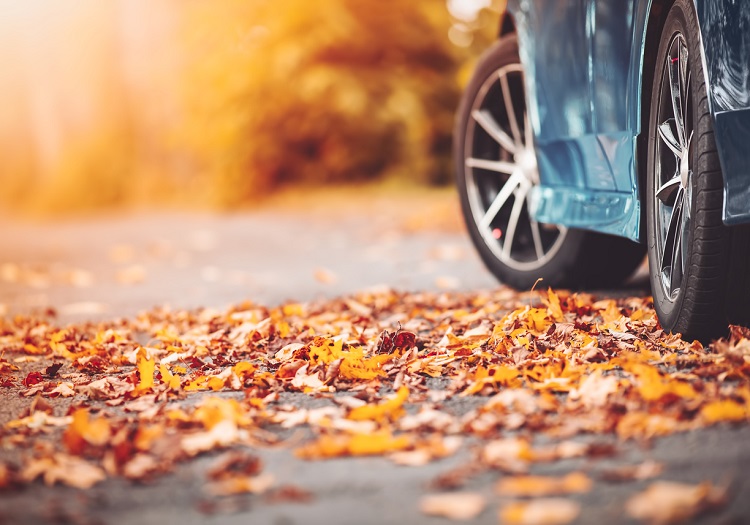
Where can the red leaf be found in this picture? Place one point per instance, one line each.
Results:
(32, 379)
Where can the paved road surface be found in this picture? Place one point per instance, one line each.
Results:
(118, 266)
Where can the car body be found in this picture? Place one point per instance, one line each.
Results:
(587, 65)
(590, 123)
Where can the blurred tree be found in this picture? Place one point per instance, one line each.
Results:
(287, 91)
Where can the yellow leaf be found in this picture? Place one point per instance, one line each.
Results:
(214, 410)
(388, 410)
(726, 410)
(215, 383)
(553, 306)
(146, 368)
(538, 319)
(354, 365)
(293, 309)
(199, 383)
(244, 370)
(168, 378)
(652, 386)
(611, 312)
(376, 443)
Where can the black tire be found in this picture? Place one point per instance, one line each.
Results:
(698, 266)
(488, 164)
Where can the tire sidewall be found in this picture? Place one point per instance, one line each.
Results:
(678, 20)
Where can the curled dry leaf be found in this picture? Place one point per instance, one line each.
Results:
(544, 511)
(461, 506)
(670, 502)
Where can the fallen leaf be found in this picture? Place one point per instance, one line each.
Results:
(65, 469)
(534, 486)
(646, 470)
(460, 506)
(670, 502)
(543, 511)
(240, 485)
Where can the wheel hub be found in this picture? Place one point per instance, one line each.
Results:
(526, 162)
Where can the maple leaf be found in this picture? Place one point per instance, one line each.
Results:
(146, 366)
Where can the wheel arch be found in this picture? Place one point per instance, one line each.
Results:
(507, 25)
(646, 48)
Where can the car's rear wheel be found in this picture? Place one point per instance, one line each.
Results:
(698, 266)
(496, 170)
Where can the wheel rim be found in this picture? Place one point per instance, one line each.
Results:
(500, 171)
(673, 170)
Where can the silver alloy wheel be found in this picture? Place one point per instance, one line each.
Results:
(501, 170)
(673, 188)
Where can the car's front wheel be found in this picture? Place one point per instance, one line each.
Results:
(496, 169)
(699, 271)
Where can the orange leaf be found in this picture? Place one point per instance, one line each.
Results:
(84, 430)
(544, 511)
(575, 482)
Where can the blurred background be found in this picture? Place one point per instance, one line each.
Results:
(196, 153)
(219, 104)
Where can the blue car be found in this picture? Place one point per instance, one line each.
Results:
(594, 132)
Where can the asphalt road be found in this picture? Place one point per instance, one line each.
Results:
(117, 266)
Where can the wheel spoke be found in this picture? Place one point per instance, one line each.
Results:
(485, 119)
(537, 236)
(677, 67)
(671, 241)
(675, 273)
(510, 109)
(684, 78)
(498, 166)
(502, 196)
(665, 132)
(668, 189)
(515, 214)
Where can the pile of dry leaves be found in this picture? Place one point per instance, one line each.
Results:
(131, 398)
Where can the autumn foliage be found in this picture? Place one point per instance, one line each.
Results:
(555, 365)
(221, 103)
